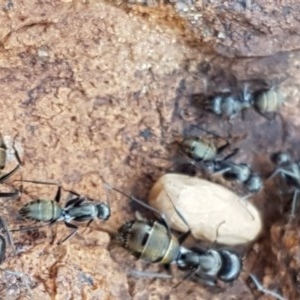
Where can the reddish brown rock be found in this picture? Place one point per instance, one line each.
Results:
(97, 92)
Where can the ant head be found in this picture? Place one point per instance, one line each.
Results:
(103, 211)
(281, 158)
(123, 232)
(244, 171)
(188, 145)
(254, 183)
(216, 104)
(231, 265)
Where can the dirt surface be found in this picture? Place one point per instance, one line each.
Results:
(96, 92)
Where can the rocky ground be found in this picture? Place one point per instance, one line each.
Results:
(99, 91)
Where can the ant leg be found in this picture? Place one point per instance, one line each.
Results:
(58, 195)
(10, 195)
(2, 145)
(147, 274)
(136, 273)
(2, 248)
(28, 228)
(283, 171)
(74, 201)
(69, 225)
(222, 148)
(58, 192)
(233, 153)
(3, 226)
(9, 174)
(72, 195)
(295, 202)
(271, 116)
(202, 277)
(275, 173)
(262, 289)
(246, 197)
(17, 156)
(183, 237)
(186, 276)
(89, 223)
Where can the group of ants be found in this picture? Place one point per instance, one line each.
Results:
(139, 236)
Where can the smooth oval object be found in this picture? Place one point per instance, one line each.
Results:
(213, 212)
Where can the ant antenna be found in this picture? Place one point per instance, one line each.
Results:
(16, 153)
(133, 198)
(184, 236)
(107, 187)
(243, 202)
